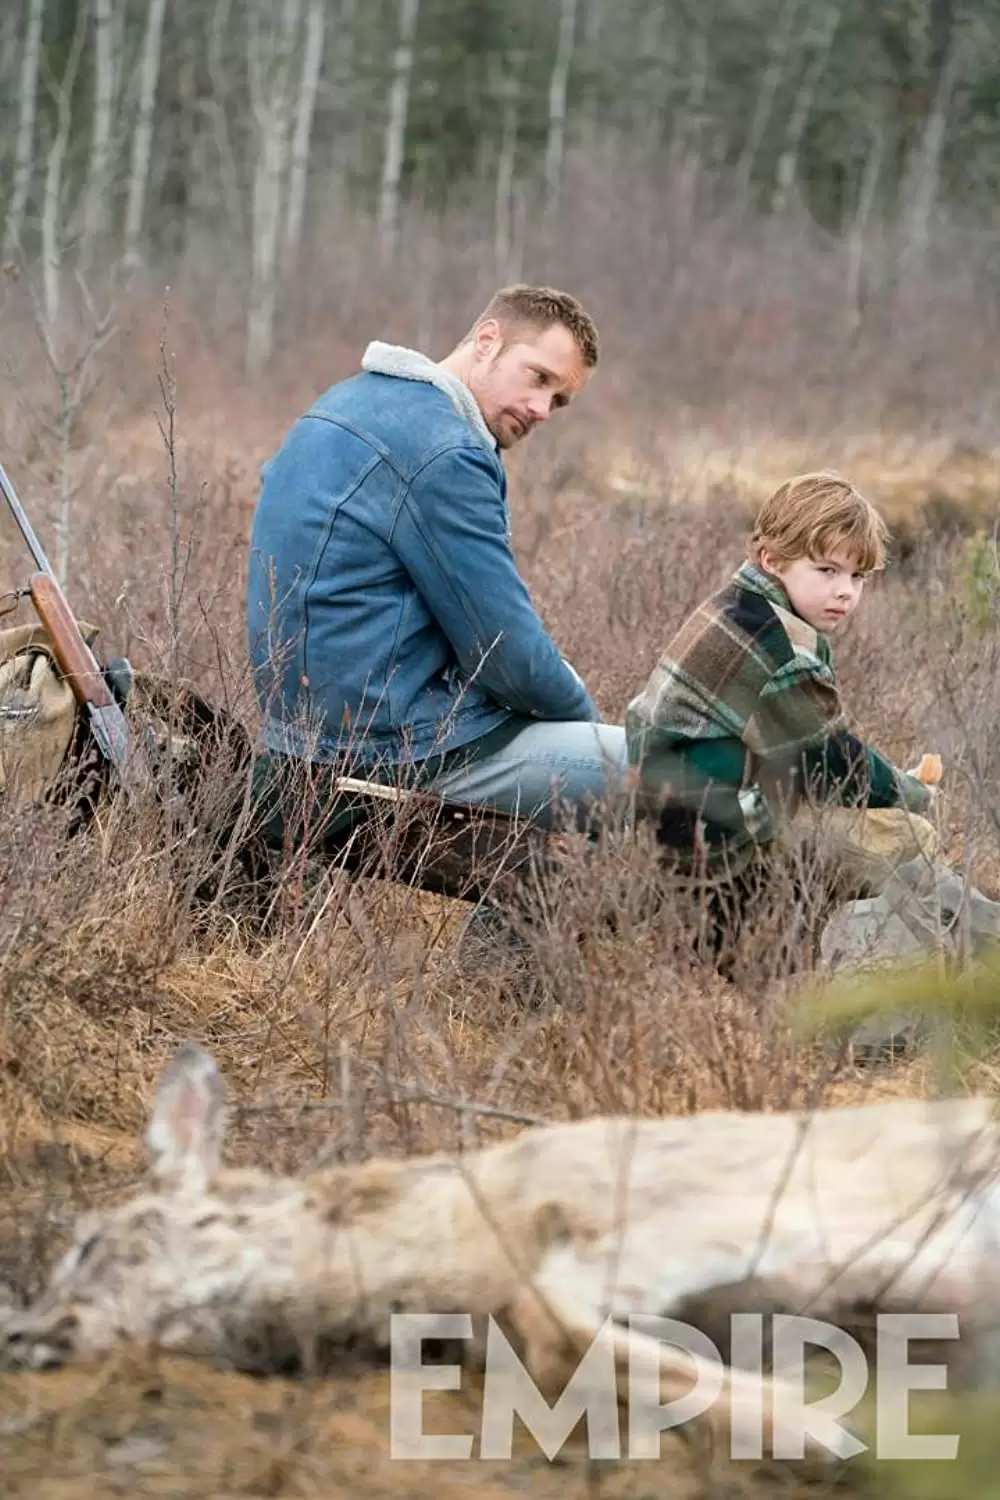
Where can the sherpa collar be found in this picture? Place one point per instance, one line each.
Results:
(408, 364)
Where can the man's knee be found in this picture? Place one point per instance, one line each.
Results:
(543, 766)
(567, 765)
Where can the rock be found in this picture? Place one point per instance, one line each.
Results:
(875, 931)
(887, 930)
(923, 909)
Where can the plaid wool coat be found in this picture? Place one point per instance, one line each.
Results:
(741, 718)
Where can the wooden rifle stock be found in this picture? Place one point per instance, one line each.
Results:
(79, 666)
(76, 660)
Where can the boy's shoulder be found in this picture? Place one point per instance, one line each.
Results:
(732, 635)
(738, 639)
(749, 619)
(737, 644)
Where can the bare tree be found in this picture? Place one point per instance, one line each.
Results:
(215, 105)
(508, 92)
(180, 179)
(857, 234)
(555, 148)
(689, 129)
(26, 108)
(920, 186)
(142, 139)
(345, 154)
(71, 329)
(52, 198)
(76, 375)
(272, 43)
(805, 95)
(99, 171)
(312, 64)
(395, 129)
(777, 61)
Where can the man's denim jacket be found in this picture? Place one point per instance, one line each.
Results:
(386, 616)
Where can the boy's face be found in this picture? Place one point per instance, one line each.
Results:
(822, 590)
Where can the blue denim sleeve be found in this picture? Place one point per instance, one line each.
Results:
(450, 533)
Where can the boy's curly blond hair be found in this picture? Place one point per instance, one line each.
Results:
(813, 515)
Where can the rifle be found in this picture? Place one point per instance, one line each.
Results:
(78, 663)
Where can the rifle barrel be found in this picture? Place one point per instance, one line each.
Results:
(23, 524)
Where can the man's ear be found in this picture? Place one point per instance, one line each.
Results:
(185, 1131)
(487, 339)
(769, 562)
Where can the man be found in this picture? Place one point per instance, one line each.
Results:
(388, 624)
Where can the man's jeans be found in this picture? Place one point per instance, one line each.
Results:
(539, 769)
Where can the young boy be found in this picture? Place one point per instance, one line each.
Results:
(740, 736)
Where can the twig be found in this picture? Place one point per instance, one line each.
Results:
(441, 1101)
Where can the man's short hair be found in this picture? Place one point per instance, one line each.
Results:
(539, 307)
(813, 515)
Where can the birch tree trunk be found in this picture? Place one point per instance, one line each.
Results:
(99, 172)
(181, 170)
(73, 368)
(270, 59)
(345, 154)
(688, 144)
(857, 235)
(24, 145)
(923, 174)
(503, 236)
(589, 124)
(555, 149)
(52, 199)
(805, 96)
(764, 104)
(142, 140)
(216, 108)
(395, 130)
(312, 64)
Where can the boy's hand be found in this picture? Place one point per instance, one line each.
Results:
(929, 770)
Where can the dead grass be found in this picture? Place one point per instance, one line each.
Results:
(135, 1430)
(355, 1029)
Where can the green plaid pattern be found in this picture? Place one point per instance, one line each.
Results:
(742, 710)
